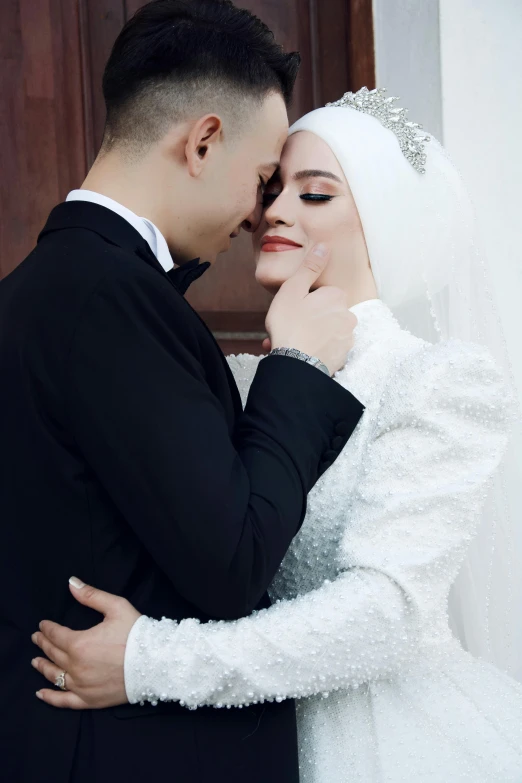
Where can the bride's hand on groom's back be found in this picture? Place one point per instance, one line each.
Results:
(318, 323)
(92, 660)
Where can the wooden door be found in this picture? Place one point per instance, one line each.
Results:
(42, 149)
(52, 55)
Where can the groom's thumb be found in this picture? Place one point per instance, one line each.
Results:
(101, 602)
(302, 280)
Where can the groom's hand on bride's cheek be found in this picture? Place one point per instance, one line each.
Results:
(313, 319)
(92, 660)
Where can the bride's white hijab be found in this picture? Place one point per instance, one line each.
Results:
(401, 210)
(420, 234)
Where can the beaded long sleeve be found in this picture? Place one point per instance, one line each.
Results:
(436, 439)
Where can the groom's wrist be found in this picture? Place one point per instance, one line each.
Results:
(303, 357)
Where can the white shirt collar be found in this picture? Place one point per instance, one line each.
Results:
(145, 227)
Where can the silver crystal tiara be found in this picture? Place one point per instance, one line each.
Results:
(375, 103)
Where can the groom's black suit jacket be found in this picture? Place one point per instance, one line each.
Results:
(125, 459)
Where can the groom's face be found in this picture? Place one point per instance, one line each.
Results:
(233, 192)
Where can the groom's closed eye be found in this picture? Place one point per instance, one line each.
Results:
(266, 178)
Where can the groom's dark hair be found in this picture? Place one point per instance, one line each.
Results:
(178, 57)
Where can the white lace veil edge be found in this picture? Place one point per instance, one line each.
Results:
(423, 246)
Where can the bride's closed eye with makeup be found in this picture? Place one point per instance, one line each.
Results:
(311, 195)
(308, 201)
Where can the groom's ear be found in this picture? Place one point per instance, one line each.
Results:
(203, 136)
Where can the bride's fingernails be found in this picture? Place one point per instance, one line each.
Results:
(33, 663)
(38, 695)
(75, 582)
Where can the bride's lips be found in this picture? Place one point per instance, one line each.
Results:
(275, 244)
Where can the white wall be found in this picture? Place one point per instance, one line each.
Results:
(481, 62)
(407, 57)
(457, 65)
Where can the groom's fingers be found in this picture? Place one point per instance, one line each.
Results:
(62, 699)
(56, 655)
(299, 285)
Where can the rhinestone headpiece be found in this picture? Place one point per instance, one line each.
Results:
(375, 103)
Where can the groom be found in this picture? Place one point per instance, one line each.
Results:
(124, 453)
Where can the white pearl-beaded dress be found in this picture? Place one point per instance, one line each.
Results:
(359, 632)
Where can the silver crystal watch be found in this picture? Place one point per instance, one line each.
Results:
(303, 357)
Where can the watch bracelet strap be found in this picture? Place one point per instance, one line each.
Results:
(303, 357)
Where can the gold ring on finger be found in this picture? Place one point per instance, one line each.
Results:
(60, 681)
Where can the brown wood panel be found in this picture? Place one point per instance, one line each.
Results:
(290, 22)
(41, 137)
(35, 23)
(234, 321)
(101, 21)
(331, 62)
(361, 49)
(10, 30)
(68, 103)
(131, 6)
(13, 225)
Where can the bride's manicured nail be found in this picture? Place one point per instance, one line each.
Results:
(33, 663)
(39, 695)
(320, 250)
(75, 582)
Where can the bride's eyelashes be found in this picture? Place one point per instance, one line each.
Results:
(269, 198)
(315, 197)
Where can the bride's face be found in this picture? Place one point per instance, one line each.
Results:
(309, 201)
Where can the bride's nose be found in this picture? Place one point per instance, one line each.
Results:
(279, 213)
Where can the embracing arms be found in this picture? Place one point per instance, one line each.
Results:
(426, 472)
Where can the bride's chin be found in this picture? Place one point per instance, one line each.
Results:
(269, 283)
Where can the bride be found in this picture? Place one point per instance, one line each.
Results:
(359, 631)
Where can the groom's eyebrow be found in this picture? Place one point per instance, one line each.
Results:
(308, 173)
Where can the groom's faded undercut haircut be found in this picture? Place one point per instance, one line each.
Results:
(177, 59)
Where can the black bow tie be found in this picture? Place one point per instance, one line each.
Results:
(183, 276)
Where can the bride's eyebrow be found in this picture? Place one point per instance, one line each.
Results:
(308, 173)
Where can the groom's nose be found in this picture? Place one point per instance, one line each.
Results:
(251, 223)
